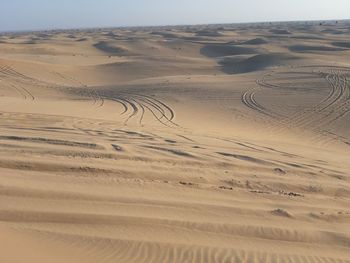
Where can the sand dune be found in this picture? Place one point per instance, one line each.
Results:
(217, 143)
(307, 48)
(341, 44)
(255, 41)
(255, 63)
(226, 50)
(280, 31)
(110, 49)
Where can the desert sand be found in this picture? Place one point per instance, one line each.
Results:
(214, 143)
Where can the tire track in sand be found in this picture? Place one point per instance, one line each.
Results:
(315, 118)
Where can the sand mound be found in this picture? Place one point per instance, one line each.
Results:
(82, 39)
(221, 50)
(165, 34)
(71, 36)
(208, 33)
(341, 44)
(280, 31)
(255, 41)
(281, 212)
(307, 48)
(254, 63)
(111, 34)
(306, 37)
(333, 31)
(111, 49)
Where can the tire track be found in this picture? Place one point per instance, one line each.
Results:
(264, 84)
(329, 109)
(305, 115)
(134, 105)
(14, 78)
(339, 89)
(335, 106)
(249, 99)
(163, 109)
(137, 106)
(93, 94)
(7, 70)
(121, 102)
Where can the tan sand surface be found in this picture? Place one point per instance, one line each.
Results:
(222, 143)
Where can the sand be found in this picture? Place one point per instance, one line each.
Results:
(219, 143)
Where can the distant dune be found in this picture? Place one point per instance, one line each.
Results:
(221, 50)
(280, 31)
(341, 44)
(111, 49)
(255, 41)
(209, 33)
(309, 48)
(255, 63)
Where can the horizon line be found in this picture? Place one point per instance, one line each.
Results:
(164, 25)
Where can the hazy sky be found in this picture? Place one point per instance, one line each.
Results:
(48, 14)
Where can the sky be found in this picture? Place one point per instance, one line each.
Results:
(17, 15)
